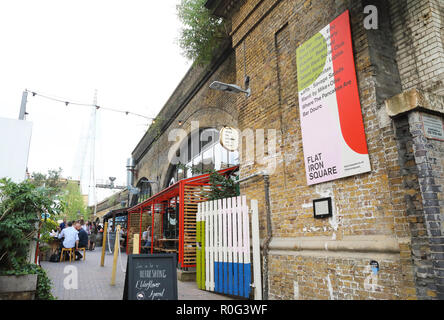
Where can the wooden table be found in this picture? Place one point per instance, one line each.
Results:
(159, 245)
(54, 245)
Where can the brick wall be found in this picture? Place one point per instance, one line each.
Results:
(420, 247)
(392, 214)
(418, 32)
(429, 160)
(369, 220)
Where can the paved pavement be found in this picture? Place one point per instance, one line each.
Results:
(94, 280)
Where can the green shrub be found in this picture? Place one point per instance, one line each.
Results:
(46, 228)
(202, 33)
(21, 207)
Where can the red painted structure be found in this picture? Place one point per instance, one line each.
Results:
(174, 193)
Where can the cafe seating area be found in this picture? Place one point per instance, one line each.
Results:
(171, 213)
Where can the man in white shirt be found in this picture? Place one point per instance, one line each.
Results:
(71, 236)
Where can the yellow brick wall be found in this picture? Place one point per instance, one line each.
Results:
(368, 206)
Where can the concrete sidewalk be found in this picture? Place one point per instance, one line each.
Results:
(94, 280)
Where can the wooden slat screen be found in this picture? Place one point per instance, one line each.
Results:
(192, 196)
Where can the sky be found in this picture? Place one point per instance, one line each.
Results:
(125, 50)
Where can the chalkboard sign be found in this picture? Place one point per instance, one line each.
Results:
(151, 277)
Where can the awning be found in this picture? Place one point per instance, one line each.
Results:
(117, 212)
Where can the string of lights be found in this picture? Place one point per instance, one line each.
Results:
(69, 102)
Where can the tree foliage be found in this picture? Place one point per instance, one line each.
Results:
(46, 227)
(21, 207)
(65, 192)
(201, 33)
(72, 201)
(51, 181)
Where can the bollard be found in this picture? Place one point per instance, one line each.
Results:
(116, 253)
(136, 244)
(105, 230)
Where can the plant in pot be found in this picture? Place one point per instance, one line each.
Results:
(21, 206)
(221, 185)
(47, 227)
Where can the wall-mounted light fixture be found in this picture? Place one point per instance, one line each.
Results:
(217, 85)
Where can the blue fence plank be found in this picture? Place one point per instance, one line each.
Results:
(216, 276)
(235, 279)
(247, 279)
(230, 278)
(241, 279)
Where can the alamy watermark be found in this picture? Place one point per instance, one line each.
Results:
(371, 20)
(254, 146)
(71, 281)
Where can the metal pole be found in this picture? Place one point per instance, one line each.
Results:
(105, 231)
(128, 233)
(152, 227)
(269, 235)
(140, 232)
(23, 105)
(116, 252)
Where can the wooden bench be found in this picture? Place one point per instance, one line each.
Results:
(164, 249)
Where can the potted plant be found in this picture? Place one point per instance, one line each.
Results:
(21, 206)
(46, 240)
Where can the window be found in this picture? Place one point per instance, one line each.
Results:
(203, 152)
(144, 187)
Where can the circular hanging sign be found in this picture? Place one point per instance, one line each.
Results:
(229, 138)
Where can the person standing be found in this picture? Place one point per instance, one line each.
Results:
(82, 224)
(93, 236)
(62, 225)
(88, 231)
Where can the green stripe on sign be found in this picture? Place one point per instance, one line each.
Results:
(198, 276)
(310, 60)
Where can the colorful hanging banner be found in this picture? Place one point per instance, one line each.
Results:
(330, 111)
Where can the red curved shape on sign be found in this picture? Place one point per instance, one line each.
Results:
(349, 106)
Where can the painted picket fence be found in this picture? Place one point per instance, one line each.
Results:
(223, 255)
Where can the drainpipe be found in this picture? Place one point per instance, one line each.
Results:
(129, 172)
(130, 179)
(265, 247)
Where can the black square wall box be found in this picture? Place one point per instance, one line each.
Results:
(322, 208)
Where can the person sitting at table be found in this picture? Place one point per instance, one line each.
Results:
(63, 224)
(83, 239)
(146, 237)
(70, 235)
